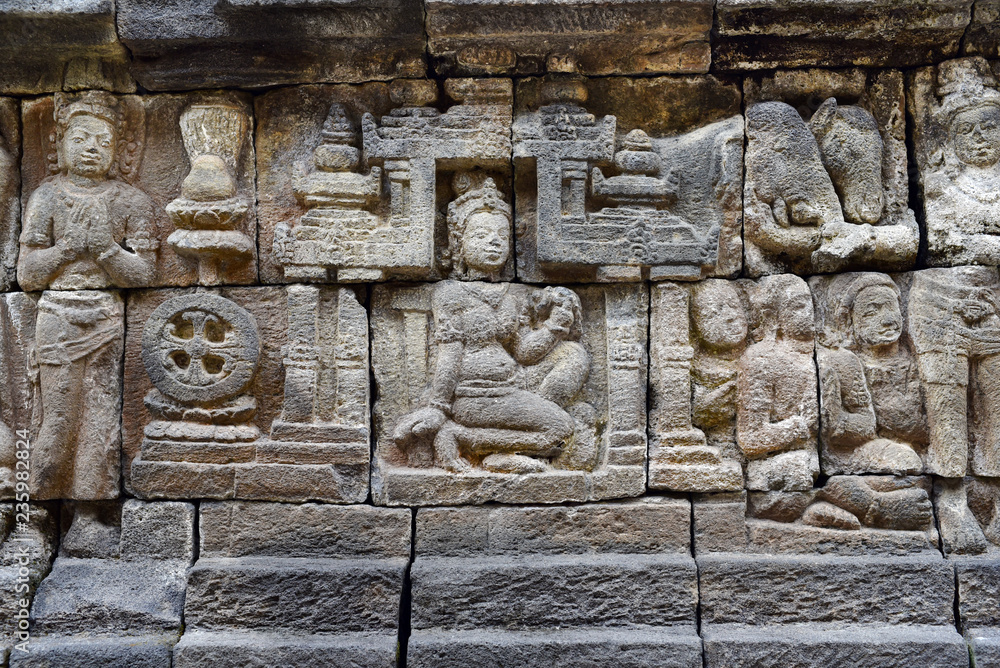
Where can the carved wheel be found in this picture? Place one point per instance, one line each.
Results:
(200, 348)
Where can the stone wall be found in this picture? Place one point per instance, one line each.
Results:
(477, 333)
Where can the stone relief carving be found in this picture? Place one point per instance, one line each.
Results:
(209, 211)
(609, 209)
(382, 221)
(491, 391)
(259, 393)
(10, 189)
(956, 112)
(17, 330)
(827, 193)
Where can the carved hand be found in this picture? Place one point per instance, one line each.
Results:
(99, 237)
(419, 423)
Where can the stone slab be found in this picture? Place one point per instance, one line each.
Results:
(88, 652)
(984, 645)
(157, 530)
(813, 646)
(978, 581)
(201, 649)
(294, 594)
(475, 37)
(652, 525)
(242, 529)
(597, 648)
(110, 597)
(179, 44)
(540, 592)
(765, 34)
(773, 590)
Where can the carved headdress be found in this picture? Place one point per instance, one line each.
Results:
(839, 330)
(126, 116)
(966, 83)
(477, 193)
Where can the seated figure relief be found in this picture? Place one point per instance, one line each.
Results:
(957, 144)
(500, 377)
(828, 193)
(483, 403)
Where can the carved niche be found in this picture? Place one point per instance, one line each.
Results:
(622, 198)
(494, 391)
(129, 155)
(956, 135)
(826, 183)
(259, 393)
(368, 208)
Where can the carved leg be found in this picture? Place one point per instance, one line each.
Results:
(566, 379)
(52, 452)
(446, 448)
(902, 509)
(986, 455)
(960, 532)
(948, 452)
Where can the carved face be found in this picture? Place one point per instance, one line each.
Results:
(718, 315)
(796, 316)
(876, 316)
(977, 136)
(88, 146)
(486, 242)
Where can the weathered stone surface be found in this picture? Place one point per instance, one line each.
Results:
(332, 596)
(353, 178)
(29, 545)
(955, 108)
(261, 393)
(52, 45)
(719, 522)
(981, 37)
(129, 156)
(876, 646)
(624, 179)
(85, 652)
(978, 580)
(477, 37)
(17, 331)
(826, 183)
(766, 34)
(162, 530)
(580, 355)
(180, 44)
(10, 189)
(533, 586)
(198, 649)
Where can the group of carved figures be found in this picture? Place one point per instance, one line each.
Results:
(518, 380)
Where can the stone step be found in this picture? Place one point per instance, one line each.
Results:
(545, 591)
(110, 596)
(562, 648)
(294, 594)
(769, 590)
(201, 649)
(823, 646)
(90, 652)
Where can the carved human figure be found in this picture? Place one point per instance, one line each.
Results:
(719, 317)
(777, 413)
(84, 230)
(870, 387)
(962, 183)
(954, 319)
(486, 334)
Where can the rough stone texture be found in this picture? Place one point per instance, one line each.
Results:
(17, 333)
(163, 530)
(52, 45)
(625, 179)
(353, 177)
(826, 183)
(978, 581)
(981, 37)
(475, 37)
(766, 34)
(332, 596)
(955, 109)
(581, 356)
(146, 180)
(10, 189)
(181, 44)
(565, 576)
(118, 652)
(30, 545)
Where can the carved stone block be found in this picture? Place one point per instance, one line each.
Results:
(505, 392)
(183, 44)
(981, 37)
(17, 333)
(826, 183)
(10, 189)
(129, 191)
(56, 45)
(260, 561)
(24, 545)
(353, 178)
(475, 38)
(978, 581)
(818, 610)
(247, 393)
(508, 586)
(112, 611)
(626, 180)
(767, 34)
(956, 136)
